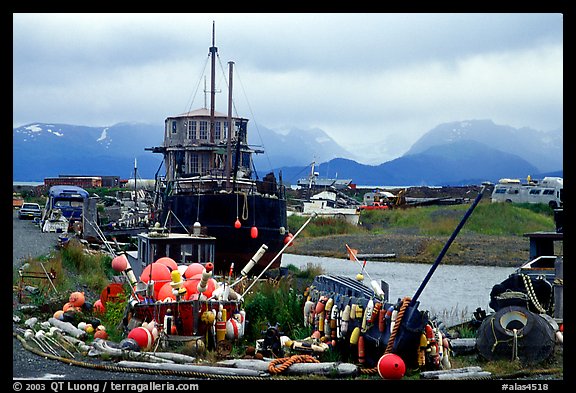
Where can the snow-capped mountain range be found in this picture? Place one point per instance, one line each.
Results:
(451, 153)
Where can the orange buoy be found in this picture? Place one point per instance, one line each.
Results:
(76, 299)
(192, 270)
(101, 334)
(361, 352)
(159, 273)
(99, 306)
(287, 238)
(171, 263)
(165, 293)
(120, 263)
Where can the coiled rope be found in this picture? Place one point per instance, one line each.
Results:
(280, 365)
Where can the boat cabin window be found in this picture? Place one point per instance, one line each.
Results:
(548, 191)
(191, 130)
(204, 129)
(498, 191)
(217, 130)
(535, 191)
(185, 253)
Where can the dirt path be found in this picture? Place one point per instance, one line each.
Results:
(466, 249)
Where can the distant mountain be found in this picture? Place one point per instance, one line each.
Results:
(450, 154)
(542, 149)
(457, 163)
(296, 147)
(48, 150)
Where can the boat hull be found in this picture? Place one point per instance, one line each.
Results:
(217, 215)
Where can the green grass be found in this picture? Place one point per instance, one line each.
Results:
(499, 219)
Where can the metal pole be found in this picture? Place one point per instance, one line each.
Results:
(280, 252)
(447, 245)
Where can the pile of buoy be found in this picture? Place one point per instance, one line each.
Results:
(83, 315)
(365, 329)
(166, 282)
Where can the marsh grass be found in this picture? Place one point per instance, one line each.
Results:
(487, 219)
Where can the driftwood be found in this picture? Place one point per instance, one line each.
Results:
(68, 328)
(472, 372)
(208, 370)
(80, 345)
(462, 346)
(324, 368)
(100, 347)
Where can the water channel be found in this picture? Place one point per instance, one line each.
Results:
(453, 293)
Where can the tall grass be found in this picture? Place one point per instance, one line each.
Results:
(501, 219)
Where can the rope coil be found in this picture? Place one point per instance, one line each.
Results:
(279, 365)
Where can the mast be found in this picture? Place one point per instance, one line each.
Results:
(230, 128)
(213, 52)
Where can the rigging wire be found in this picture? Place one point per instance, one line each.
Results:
(252, 116)
(198, 85)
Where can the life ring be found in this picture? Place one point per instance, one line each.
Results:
(515, 333)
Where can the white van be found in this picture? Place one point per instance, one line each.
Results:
(549, 191)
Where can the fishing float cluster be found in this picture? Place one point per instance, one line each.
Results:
(166, 282)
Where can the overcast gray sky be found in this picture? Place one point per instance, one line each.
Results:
(365, 79)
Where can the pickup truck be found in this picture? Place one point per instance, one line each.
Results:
(29, 210)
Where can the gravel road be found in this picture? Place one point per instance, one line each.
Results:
(29, 242)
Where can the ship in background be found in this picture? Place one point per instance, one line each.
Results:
(209, 186)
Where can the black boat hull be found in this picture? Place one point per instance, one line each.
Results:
(217, 214)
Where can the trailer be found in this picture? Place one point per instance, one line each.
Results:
(549, 191)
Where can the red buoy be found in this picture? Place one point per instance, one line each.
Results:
(391, 366)
(237, 224)
(287, 238)
(254, 232)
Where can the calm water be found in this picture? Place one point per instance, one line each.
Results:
(453, 292)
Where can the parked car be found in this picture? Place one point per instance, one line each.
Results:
(30, 210)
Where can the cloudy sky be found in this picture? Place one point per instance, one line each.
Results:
(366, 79)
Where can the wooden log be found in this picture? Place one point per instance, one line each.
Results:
(100, 347)
(454, 373)
(68, 328)
(469, 375)
(202, 369)
(323, 368)
(461, 346)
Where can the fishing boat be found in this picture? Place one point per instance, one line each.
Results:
(210, 183)
(324, 197)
